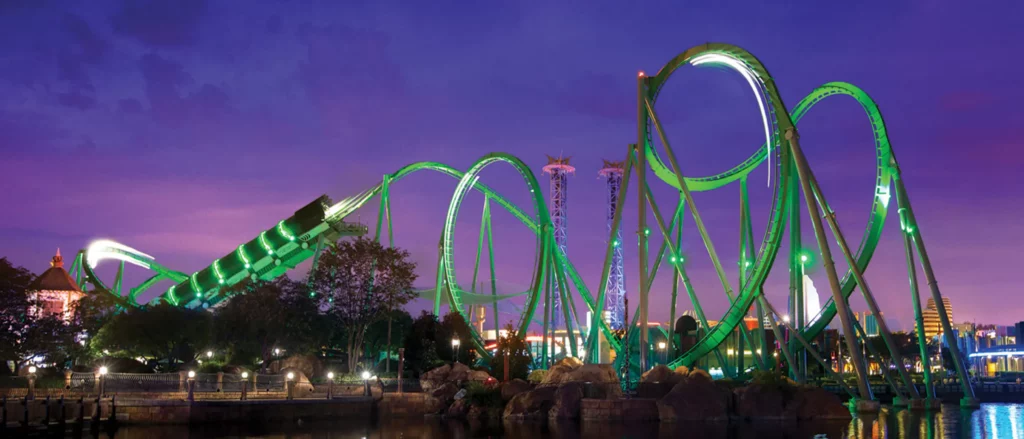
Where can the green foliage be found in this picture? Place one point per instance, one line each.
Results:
(358, 282)
(376, 344)
(518, 352)
(480, 395)
(421, 344)
(14, 316)
(264, 315)
(537, 376)
(772, 379)
(164, 332)
(454, 326)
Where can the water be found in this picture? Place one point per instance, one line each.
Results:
(992, 421)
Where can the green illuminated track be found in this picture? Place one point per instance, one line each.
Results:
(274, 251)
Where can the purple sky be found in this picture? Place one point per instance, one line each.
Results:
(185, 130)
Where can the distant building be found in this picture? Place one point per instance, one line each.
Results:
(932, 324)
(871, 323)
(54, 292)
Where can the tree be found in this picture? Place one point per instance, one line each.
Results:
(162, 332)
(387, 332)
(15, 319)
(513, 345)
(421, 344)
(454, 327)
(358, 282)
(264, 315)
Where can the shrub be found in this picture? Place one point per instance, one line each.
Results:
(537, 376)
(480, 395)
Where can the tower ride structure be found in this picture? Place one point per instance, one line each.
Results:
(559, 169)
(615, 284)
(653, 159)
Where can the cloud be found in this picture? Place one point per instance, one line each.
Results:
(160, 24)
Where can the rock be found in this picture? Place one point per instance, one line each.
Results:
(459, 373)
(815, 403)
(479, 376)
(657, 374)
(556, 375)
(654, 389)
(513, 388)
(534, 404)
(458, 409)
(309, 365)
(434, 405)
(567, 401)
(683, 371)
(460, 394)
(593, 373)
(302, 384)
(437, 375)
(759, 402)
(446, 393)
(695, 398)
(572, 362)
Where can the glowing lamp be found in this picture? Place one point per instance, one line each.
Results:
(365, 375)
(330, 375)
(32, 369)
(191, 374)
(103, 370)
(245, 375)
(290, 376)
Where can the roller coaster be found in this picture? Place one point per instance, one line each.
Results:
(795, 189)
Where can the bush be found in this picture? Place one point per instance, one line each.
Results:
(537, 376)
(480, 395)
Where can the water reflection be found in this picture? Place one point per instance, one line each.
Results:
(992, 421)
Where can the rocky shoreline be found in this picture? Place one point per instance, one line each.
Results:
(678, 395)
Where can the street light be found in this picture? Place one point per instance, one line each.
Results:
(455, 345)
(290, 376)
(191, 385)
(330, 384)
(785, 318)
(245, 384)
(277, 351)
(209, 354)
(290, 384)
(661, 347)
(103, 370)
(803, 258)
(32, 370)
(366, 382)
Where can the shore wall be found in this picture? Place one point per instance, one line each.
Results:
(615, 410)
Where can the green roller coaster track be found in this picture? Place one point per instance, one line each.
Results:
(301, 236)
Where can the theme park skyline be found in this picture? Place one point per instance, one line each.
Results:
(183, 133)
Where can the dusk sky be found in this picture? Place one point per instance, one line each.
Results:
(184, 128)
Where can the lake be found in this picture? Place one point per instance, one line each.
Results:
(992, 421)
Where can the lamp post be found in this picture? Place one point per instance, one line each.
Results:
(366, 382)
(191, 385)
(330, 384)
(661, 348)
(245, 384)
(455, 347)
(102, 375)
(290, 384)
(31, 383)
(401, 365)
(209, 355)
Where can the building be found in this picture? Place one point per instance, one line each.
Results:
(932, 324)
(870, 323)
(54, 292)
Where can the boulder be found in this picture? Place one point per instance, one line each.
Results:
(556, 375)
(302, 384)
(479, 376)
(458, 409)
(513, 388)
(815, 403)
(658, 374)
(534, 404)
(759, 402)
(437, 375)
(309, 365)
(445, 393)
(593, 373)
(695, 398)
(567, 402)
(459, 373)
(434, 405)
